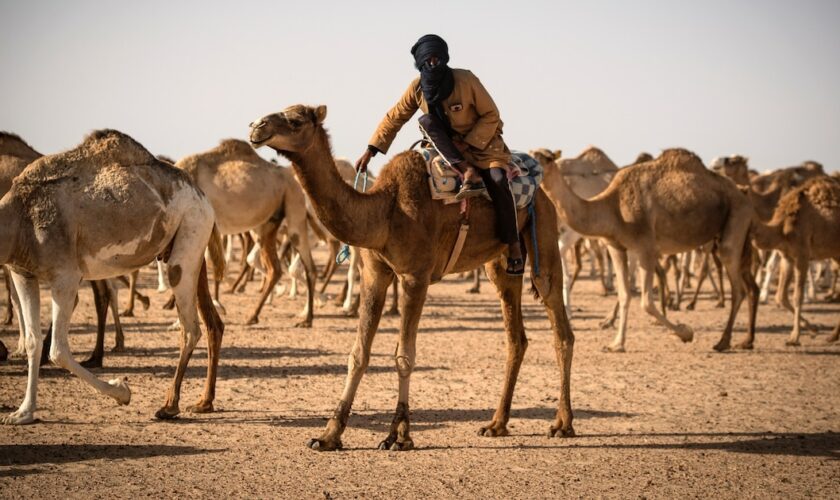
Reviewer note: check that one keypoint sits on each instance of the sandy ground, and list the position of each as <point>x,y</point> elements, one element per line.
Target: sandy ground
<point>664,419</point>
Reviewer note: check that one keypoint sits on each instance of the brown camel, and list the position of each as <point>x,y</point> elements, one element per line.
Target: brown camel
<point>404,233</point>
<point>804,227</point>
<point>52,232</point>
<point>665,206</point>
<point>250,193</point>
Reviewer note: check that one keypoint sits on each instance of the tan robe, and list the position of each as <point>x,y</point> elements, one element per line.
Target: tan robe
<point>471,112</point>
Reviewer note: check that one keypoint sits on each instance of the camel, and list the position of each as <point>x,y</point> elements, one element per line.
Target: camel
<point>587,174</point>
<point>53,231</point>
<point>804,227</point>
<point>15,155</point>
<point>668,205</point>
<point>403,233</point>
<point>250,193</point>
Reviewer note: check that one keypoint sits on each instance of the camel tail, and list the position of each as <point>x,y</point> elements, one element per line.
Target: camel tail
<point>217,254</point>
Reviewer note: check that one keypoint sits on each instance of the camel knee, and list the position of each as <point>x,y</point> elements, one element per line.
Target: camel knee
<point>404,366</point>
<point>357,362</point>
<point>32,340</point>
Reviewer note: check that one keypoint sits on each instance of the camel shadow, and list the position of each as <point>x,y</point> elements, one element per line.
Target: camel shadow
<point>257,353</point>
<point>35,454</point>
<point>423,419</point>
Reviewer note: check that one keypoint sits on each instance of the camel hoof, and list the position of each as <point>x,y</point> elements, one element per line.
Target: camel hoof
<point>350,313</point>
<point>4,353</point>
<point>684,332</point>
<point>792,343</point>
<point>253,320</point>
<point>128,313</point>
<point>144,301</point>
<point>201,407</point>
<point>493,430</point>
<point>560,432</point>
<point>745,345</point>
<point>19,418</point>
<point>305,323</point>
<point>167,413</point>
<point>322,445</point>
<point>121,392</point>
<point>613,348</point>
<point>118,348</point>
<point>220,308</point>
<point>721,346</point>
<point>473,290</point>
<point>392,312</point>
<point>606,324</point>
<point>405,445</point>
<point>689,306</point>
<point>92,362</point>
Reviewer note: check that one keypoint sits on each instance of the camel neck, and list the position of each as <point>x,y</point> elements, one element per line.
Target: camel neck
<point>588,217</point>
<point>764,204</point>
<point>767,235</point>
<point>9,227</point>
<point>355,218</point>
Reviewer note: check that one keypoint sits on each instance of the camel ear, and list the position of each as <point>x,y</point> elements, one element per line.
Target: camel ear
<point>557,154</point>
<point>320,114</point>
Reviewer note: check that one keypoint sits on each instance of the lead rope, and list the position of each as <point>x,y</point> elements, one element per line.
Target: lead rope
<point>533,216</point>
<point>344,253</point>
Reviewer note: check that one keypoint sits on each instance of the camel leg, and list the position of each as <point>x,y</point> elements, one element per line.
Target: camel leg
<point>785,274</point>
<point>101,301</point>
<point>619,258</point>
<point>7,319</point>
<point>305,254</point>
<point>510,293</point>
<point>411,301</point>
<point>113,303</point>
<point>29,295</point>
<point>268,254</point>
<point>183,269</point>
<point>476,286</point>
<point>20,351</point>
<point>609,321</point>
<point>701,277</point>
<point>64,290</point>
<point>648,263</point>
<point>394,309</point>
<point>736,254</point>
<point>351,279</point>
<point>550,287</point>
<point>800,276</point>
<point>234,288</point>
<point>376,278</point>
<point>721,303</point>
<point>215,330</point>
<point>769,269</point>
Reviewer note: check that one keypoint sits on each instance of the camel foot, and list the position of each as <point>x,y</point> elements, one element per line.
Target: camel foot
<point>304,323</point>
<point>613,348</point>
<point>161,289</point>
<point>394,311</point>
<point>350,313</point>
<point>722,346</point>
<point>128,313</point>
<point>395,443</point>
<point>253,320</point>
<point>166,413</point>
<point>118,347</point>
<point>241,289</point>
<point>4,353</point>
<point>606,324</point>
<point>219,307</point>
<point>144,301</point>
<point>690,306</point>
<point>684,332</point>
<point>555,431</point>
<point>121,392</point>
<point>19,418</point>
<point>20,352</point>
<point>324,445</point>
<point>792,343</point>
<point>92,362</point>
<point>473,290</point>
<point>493,429</point>
<point>201,407</point>
<point>720,305</point>
<point>746,345</point>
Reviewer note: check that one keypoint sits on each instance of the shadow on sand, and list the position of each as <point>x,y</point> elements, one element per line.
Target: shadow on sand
<point>34,454</point>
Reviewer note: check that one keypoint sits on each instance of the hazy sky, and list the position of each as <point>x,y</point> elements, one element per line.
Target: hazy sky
<point>760,78</point>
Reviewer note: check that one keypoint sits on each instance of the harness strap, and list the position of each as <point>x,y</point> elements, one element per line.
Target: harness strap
<point>463,230</point>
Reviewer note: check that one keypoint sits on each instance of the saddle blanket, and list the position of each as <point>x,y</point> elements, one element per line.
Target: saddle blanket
<point>524,175</point>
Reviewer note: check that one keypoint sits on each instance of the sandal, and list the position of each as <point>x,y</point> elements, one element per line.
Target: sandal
<point>515,267</point>
<point>469,190</point>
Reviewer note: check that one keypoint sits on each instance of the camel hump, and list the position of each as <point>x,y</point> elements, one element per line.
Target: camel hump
<point>679,157</point>
<point>235,148</point>
<point>12,145</point>
<point>821,193</point>
<point>116,146</point>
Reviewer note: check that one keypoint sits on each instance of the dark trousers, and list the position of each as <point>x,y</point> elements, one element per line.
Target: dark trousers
<point>495,179</point>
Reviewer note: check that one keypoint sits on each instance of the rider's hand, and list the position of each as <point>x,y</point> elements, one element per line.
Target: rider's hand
<point>362,162</point>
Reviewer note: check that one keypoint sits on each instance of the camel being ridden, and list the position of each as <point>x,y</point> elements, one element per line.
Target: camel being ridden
<point>405,234</point>
<point>52,233</point>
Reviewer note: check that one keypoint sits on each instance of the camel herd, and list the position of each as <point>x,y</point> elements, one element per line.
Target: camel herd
<point>666,215</point>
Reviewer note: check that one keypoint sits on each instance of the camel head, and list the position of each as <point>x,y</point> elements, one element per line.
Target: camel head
<point>289,131</point>
<point>734,167</point>
<point>545,156</point>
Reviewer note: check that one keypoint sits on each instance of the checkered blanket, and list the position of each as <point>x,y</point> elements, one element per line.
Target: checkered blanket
<point>524,174</point>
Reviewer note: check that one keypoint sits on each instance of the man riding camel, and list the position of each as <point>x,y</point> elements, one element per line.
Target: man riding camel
<point>462,122</point>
